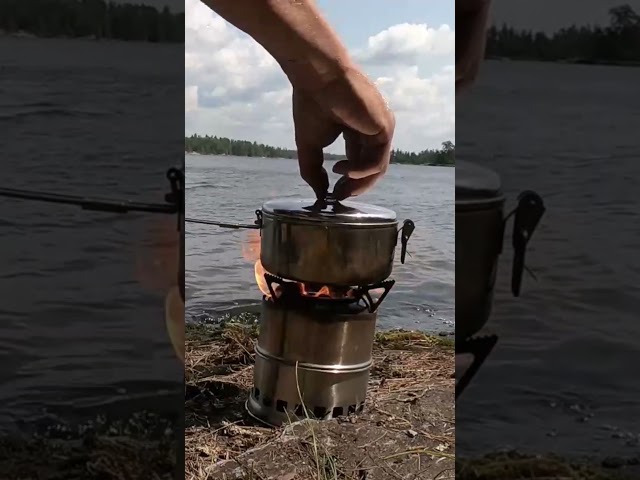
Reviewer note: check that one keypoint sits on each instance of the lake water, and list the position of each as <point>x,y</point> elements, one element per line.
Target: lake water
<point>78,332</point>
<point>564,374</point>
<point>219,279</point>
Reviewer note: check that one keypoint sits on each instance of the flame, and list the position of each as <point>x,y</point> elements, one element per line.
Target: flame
<point>260,280</point>
<point>251,246</point>
<point>324,291</point>
<point>157,258</point>
<point>156,269</point>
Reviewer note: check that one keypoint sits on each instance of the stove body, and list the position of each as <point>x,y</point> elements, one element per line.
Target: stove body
<point>313,355</point>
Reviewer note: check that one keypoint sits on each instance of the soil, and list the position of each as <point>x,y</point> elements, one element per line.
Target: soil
<point>406,431</point>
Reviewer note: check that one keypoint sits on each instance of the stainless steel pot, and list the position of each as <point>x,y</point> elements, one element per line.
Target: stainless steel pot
<point>330,242</point>
<point>480,226</point>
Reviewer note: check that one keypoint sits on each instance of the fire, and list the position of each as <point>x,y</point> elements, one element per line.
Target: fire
<point>157,258</point>
<point>325,291</point>
<point>157,268</point>
<point>251,246</point>
<point>260,280</point>
<point>305,290</point>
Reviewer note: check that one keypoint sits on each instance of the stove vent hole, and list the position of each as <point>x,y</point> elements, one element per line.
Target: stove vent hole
<point>256,393</point>
<point>351,409</point>
<point>299,411</point>
<point>337,412</point>
<point>361,407</point>
<point>319,412</point>
<point>281,406</point>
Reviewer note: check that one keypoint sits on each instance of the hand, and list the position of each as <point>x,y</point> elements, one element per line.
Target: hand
<point>472,18</point>
<point>350,105</point>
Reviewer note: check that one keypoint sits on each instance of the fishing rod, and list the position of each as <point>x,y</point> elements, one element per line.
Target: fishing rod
<point>173,204</point>
<point>233,226</point>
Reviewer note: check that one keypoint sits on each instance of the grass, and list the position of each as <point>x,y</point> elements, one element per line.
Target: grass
<point>519,466</point>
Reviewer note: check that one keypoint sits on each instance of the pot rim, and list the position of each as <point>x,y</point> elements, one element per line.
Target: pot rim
<point>475,204</point>
<point>331,213</point>
<point>292,219</point>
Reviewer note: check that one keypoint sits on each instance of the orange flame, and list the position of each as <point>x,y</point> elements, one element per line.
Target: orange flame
<point>251,246</point>
<point>260,280</point>
<point>157,260</point>
<point>157,265</point>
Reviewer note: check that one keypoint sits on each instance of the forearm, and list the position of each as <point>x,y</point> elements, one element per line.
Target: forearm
<point>472,17</point>
<point>294,33</point>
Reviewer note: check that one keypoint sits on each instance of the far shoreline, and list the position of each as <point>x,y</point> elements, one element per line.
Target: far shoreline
<point>196,154</point>
<point>568,61</point>
<point>24,35</point>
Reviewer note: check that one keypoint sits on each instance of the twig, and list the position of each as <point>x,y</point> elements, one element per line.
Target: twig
<point>423,451</point>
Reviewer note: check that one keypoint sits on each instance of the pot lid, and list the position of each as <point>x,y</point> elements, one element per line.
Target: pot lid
<point>476,183</point>
<point>330,211</point>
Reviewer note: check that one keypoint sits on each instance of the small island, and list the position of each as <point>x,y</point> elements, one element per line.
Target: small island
<point>616,44</point>
<point>91,19</point>
<point>212,145</point>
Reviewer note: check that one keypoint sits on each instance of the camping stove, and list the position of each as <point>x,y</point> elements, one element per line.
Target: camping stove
<point>314,350</point>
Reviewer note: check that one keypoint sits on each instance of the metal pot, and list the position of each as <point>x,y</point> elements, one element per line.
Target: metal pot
<point>330,242</point>
<point>480,226</point>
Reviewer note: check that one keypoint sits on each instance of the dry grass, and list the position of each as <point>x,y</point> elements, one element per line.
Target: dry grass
<point>407,430</point>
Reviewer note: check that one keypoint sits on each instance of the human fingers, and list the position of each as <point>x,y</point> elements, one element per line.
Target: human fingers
<point>350,187</point>
<point>366,155</point>
<point>310,160</point>
<point>372,160</point>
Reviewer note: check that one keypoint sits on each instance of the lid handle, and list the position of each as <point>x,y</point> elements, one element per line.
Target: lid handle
<point>527,216</point>
<point>405,233</point>
<point>329,199</point>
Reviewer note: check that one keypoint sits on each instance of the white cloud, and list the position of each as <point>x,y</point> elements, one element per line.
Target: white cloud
<point>408,42</point>
<point>234,88</point>
<point>190,98</point>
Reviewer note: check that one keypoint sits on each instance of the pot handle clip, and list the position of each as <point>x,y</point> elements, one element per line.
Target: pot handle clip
<point>405,233</point>
<point>527,216</point>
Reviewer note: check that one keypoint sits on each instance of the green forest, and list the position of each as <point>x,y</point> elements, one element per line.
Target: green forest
<point>617,43</point>
<point>208,145</point>
<point>91,19</point>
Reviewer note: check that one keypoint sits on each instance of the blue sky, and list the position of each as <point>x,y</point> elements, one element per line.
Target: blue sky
<point>233,88</point>
<point>356,19</point>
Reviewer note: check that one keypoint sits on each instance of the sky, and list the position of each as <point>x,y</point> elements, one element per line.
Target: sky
<point>234,89</point>
<point>544,15</point>
<point>551,15</point>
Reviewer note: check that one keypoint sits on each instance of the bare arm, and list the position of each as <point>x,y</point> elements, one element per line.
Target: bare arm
<point>472,17</point>
<point>294,33</point>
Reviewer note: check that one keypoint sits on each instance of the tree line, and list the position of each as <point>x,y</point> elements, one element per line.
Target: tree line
<point>619,42</point>
<point>92,19</point>
<point>213,145</point>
